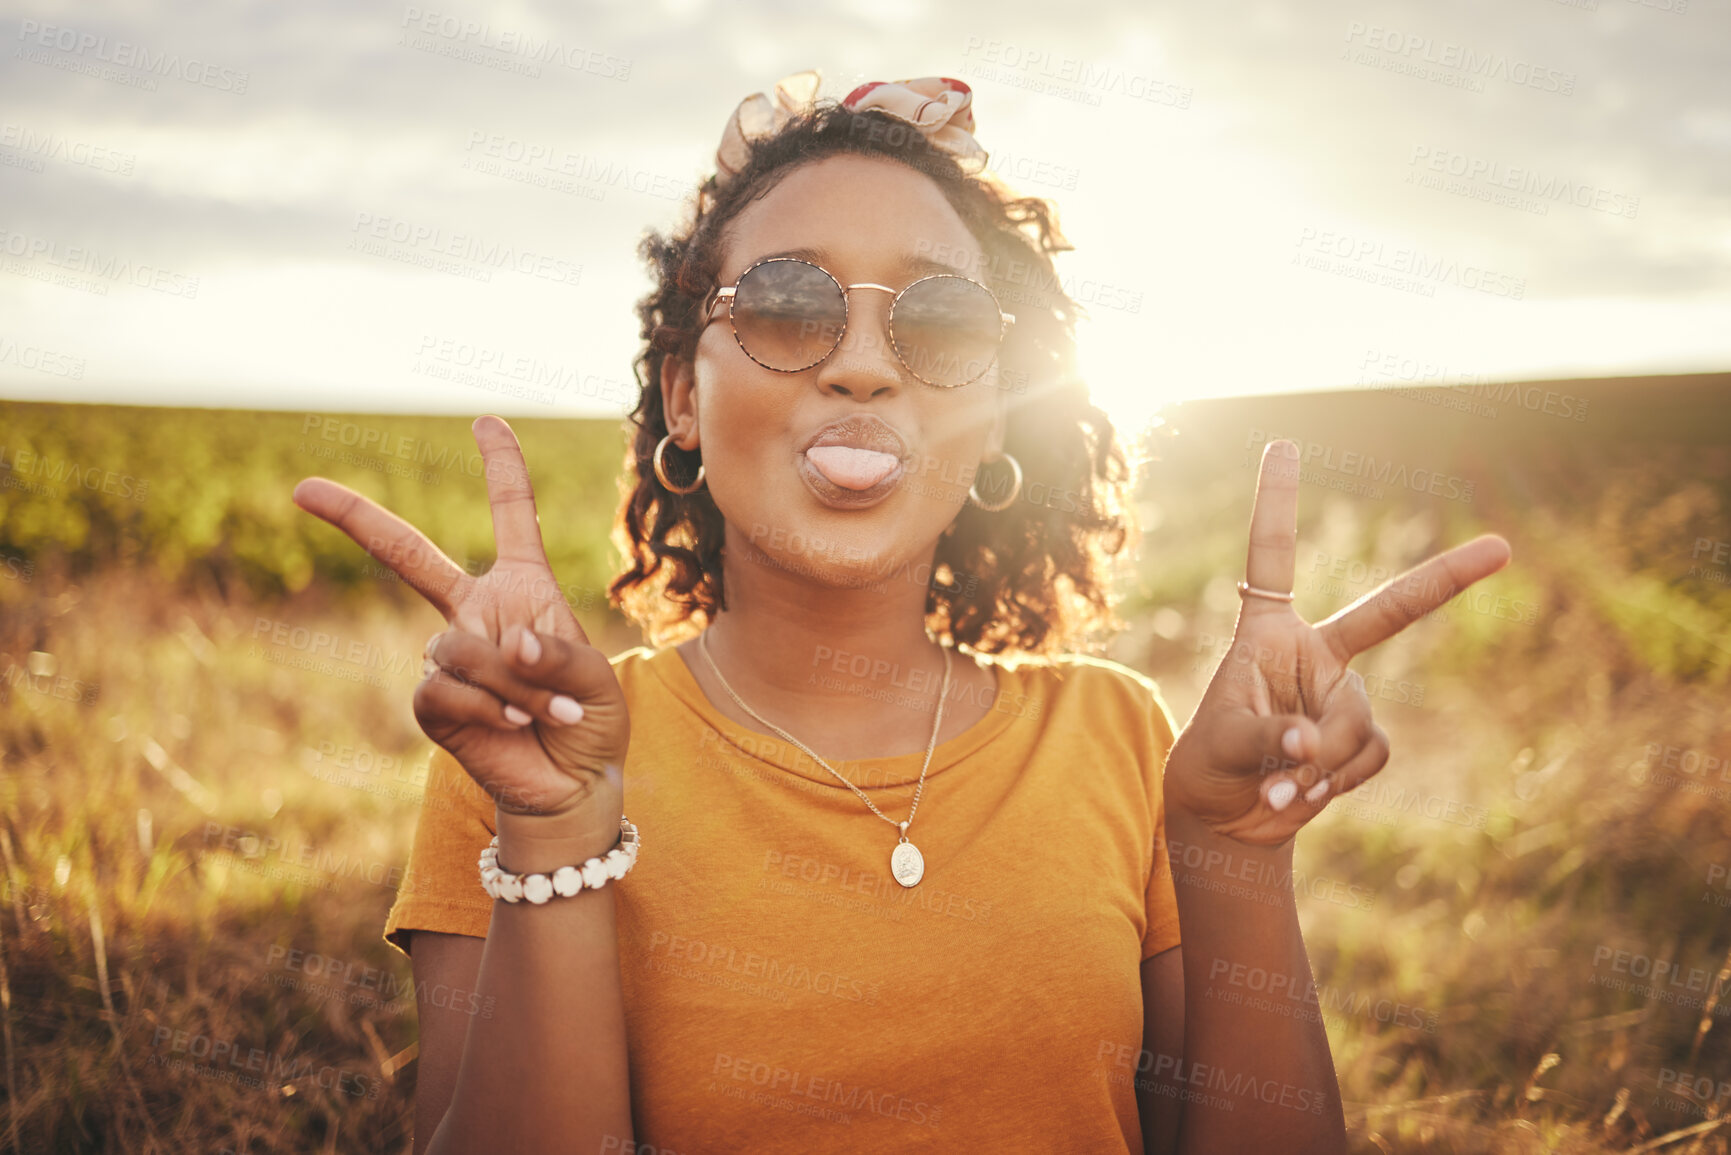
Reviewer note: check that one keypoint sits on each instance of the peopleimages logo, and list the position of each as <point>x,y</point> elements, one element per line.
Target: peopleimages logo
<point>92,263</point>
<point>1038,70</point>
<point>1665,979</point>
<point>1353,463</point>
<point>479,34</point>
<point>26,463</point>
<point>583,168</point>
<point>233,1061</point>
<point>419,243</point>
<point>1372,256</point>
<point>58,147</point>
<point>1470,63</point>
<point>1516,178</point>
<point>124,54</point>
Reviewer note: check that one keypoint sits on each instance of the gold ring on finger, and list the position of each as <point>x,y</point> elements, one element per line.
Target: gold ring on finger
<point>1246,590</point>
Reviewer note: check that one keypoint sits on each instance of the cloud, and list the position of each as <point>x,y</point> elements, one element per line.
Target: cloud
<point>1575,146</point>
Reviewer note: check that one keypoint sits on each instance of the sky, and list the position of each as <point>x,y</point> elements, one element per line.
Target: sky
<point>281,206</point>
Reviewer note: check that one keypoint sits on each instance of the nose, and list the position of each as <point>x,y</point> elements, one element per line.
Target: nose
<point>864,365</point>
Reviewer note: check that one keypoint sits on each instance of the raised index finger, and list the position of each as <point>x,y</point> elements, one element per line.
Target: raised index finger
<point>516,529</point>
<point>1274,523</point>
<point>1401,601</point>
<point>389,538</point>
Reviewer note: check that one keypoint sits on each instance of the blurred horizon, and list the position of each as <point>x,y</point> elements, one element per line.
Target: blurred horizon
<point>193,671</point>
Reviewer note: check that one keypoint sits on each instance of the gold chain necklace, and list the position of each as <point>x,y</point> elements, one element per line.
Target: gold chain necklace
<point>907,865</point>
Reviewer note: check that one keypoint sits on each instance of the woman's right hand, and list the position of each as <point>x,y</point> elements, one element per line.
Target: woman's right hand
<point>512,663</point>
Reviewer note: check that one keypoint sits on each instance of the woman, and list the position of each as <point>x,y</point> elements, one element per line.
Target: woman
<point>908,881</point>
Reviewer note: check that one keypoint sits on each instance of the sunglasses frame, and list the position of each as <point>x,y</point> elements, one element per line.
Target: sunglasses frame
<point>728,294</point>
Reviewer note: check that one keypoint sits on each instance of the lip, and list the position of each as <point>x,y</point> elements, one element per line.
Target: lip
<point>857,432</point>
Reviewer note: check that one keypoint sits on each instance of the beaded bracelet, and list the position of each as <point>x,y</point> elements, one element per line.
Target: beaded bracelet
<point>565,881</point>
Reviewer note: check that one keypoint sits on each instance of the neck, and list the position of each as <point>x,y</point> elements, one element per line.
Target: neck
<point>848,671</point>
<point>786,641</point>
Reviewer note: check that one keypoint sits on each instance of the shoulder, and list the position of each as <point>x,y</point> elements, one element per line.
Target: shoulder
<point>639,663</point>
<point>1104,691</point>
<point>654,677</point>
<point>1085,669</point>
<point>631,660</point>
<point>1085,674</point>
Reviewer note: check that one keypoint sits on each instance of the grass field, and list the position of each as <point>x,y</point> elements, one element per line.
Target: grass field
<point>1521,929</point>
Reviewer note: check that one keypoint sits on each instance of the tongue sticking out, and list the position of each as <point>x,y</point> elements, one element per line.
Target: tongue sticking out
<point>851,468</point>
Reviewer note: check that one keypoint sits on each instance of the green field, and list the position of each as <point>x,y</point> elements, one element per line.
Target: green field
<point>1521,928</point>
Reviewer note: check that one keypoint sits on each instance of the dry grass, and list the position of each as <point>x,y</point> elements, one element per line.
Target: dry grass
<point>142,732</point>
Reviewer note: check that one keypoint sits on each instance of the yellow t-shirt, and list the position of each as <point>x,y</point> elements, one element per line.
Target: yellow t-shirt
<point>783,993</point>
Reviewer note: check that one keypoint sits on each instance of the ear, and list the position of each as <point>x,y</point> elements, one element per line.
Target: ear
<point>679,401</point>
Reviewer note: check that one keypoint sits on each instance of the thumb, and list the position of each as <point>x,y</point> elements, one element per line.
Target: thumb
<point>558,664</point>
<point>1267,744</point>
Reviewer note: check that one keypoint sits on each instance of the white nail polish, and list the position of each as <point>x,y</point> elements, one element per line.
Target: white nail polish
<point>1281,794</point>
<point>1317,792</point>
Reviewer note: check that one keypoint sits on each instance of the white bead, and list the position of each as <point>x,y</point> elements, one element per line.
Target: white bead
<point>594,873</point>
<point>566,881</point>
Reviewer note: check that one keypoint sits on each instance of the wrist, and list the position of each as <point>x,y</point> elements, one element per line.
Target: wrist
<point>542,843</point>
<point>1205,862</point>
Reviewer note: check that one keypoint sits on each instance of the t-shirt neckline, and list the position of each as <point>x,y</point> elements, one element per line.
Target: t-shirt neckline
<point>898,770</point>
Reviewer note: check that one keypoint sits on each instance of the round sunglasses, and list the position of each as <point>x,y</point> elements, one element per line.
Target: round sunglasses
<point>788,315</point>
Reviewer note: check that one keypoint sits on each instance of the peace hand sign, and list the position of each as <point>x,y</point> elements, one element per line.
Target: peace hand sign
<point>1284,725</point>
<point>532,710</point>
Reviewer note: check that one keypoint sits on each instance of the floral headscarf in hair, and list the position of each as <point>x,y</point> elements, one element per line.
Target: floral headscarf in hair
<point>939,106</point>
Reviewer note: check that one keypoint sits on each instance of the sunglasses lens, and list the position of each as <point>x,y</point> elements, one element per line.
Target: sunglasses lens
<point>947,330</point>
<point>788,314</point>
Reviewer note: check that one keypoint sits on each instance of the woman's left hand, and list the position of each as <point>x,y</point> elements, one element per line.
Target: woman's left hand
<point>1284,725</point>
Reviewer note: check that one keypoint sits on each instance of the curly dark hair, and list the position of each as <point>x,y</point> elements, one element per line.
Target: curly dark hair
<point>1033,578</point>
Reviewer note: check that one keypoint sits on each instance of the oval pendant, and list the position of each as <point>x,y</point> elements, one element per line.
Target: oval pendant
<point>907,864</point>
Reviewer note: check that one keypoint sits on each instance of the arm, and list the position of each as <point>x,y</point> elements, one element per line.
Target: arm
<point>1209,1047</point>
<point>441,962</point>
<point>1283,727</point>
<point>532,711</point>
<point>1162,1034</point>
<point>543,1061</point>
<point>1263,1079</point>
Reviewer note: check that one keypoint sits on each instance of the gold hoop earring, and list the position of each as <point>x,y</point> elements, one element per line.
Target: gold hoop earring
<point>661,470</point>
<point>1016,488</point>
